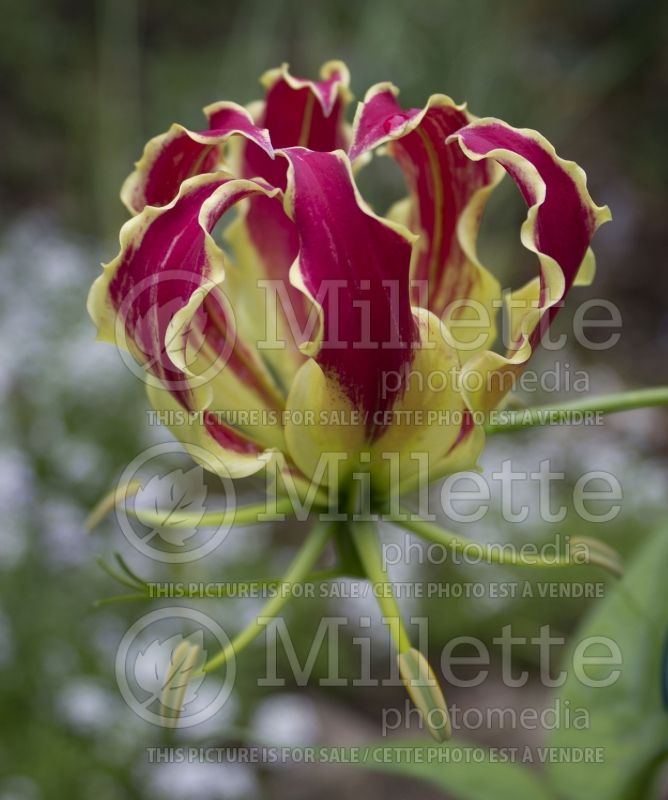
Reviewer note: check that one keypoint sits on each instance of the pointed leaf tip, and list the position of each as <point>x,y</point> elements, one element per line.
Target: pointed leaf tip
<point>424,690</point>
<point>599,554</point>
<point>181,679</point>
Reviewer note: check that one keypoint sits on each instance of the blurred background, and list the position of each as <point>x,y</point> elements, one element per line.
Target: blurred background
<point>83,85</point>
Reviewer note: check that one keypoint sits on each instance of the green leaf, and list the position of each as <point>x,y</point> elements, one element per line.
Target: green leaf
<point>465,771</point>
<point>626,719</point>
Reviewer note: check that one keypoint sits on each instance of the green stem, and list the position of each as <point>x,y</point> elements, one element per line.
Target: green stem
<point>132,575</point>
<point>120,598</point>
<point>367,542</point>
<point>298,571</point>
<point>246,515</point>
<point>556,414</point>
<point>499,555</point>
<point>131,584</point>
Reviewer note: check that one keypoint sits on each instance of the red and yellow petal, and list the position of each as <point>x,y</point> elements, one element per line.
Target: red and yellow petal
<point>160,299</point>
<point>448,193</point>
<point>369,390</point>
<point>426,429</point>
<point>354,267</point>
<point>306,113</point>
<point>218,447</point>
<point>179,154</point>
<point>295,112</point>
<point>560,224</point>
<point>324,430</point>
<point>425,423</point>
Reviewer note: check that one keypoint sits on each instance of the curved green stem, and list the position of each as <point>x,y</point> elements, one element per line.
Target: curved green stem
<point>156,518</point>
<point>367,542</point>
<point>117,576</point>
<point>506,421</point>
<point>596,553</point>
<point>416,674</point>
<point>298,571</point>
<point>246,515</point>
<point>131,574</point>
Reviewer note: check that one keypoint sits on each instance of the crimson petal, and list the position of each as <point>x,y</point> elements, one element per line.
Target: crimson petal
<point>355,267</point>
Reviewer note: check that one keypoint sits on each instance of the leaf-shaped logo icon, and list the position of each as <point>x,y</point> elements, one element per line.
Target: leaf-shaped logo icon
<point>179,500</point>
<point>168,670</point>
<point>162,676</point>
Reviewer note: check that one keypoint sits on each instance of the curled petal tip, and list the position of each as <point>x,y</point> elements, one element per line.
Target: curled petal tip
<point>333,86</point>
<point>561,221</point>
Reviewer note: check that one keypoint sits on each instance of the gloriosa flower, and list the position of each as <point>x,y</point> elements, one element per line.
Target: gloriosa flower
<point>311,341</point>
<point>326,307</point>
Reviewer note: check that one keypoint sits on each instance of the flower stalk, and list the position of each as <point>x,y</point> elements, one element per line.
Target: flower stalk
<point>562,413</point>
<point>367,543</point>
<point>306,558</point>
<point>584,550</point>
<point>416,674</point>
